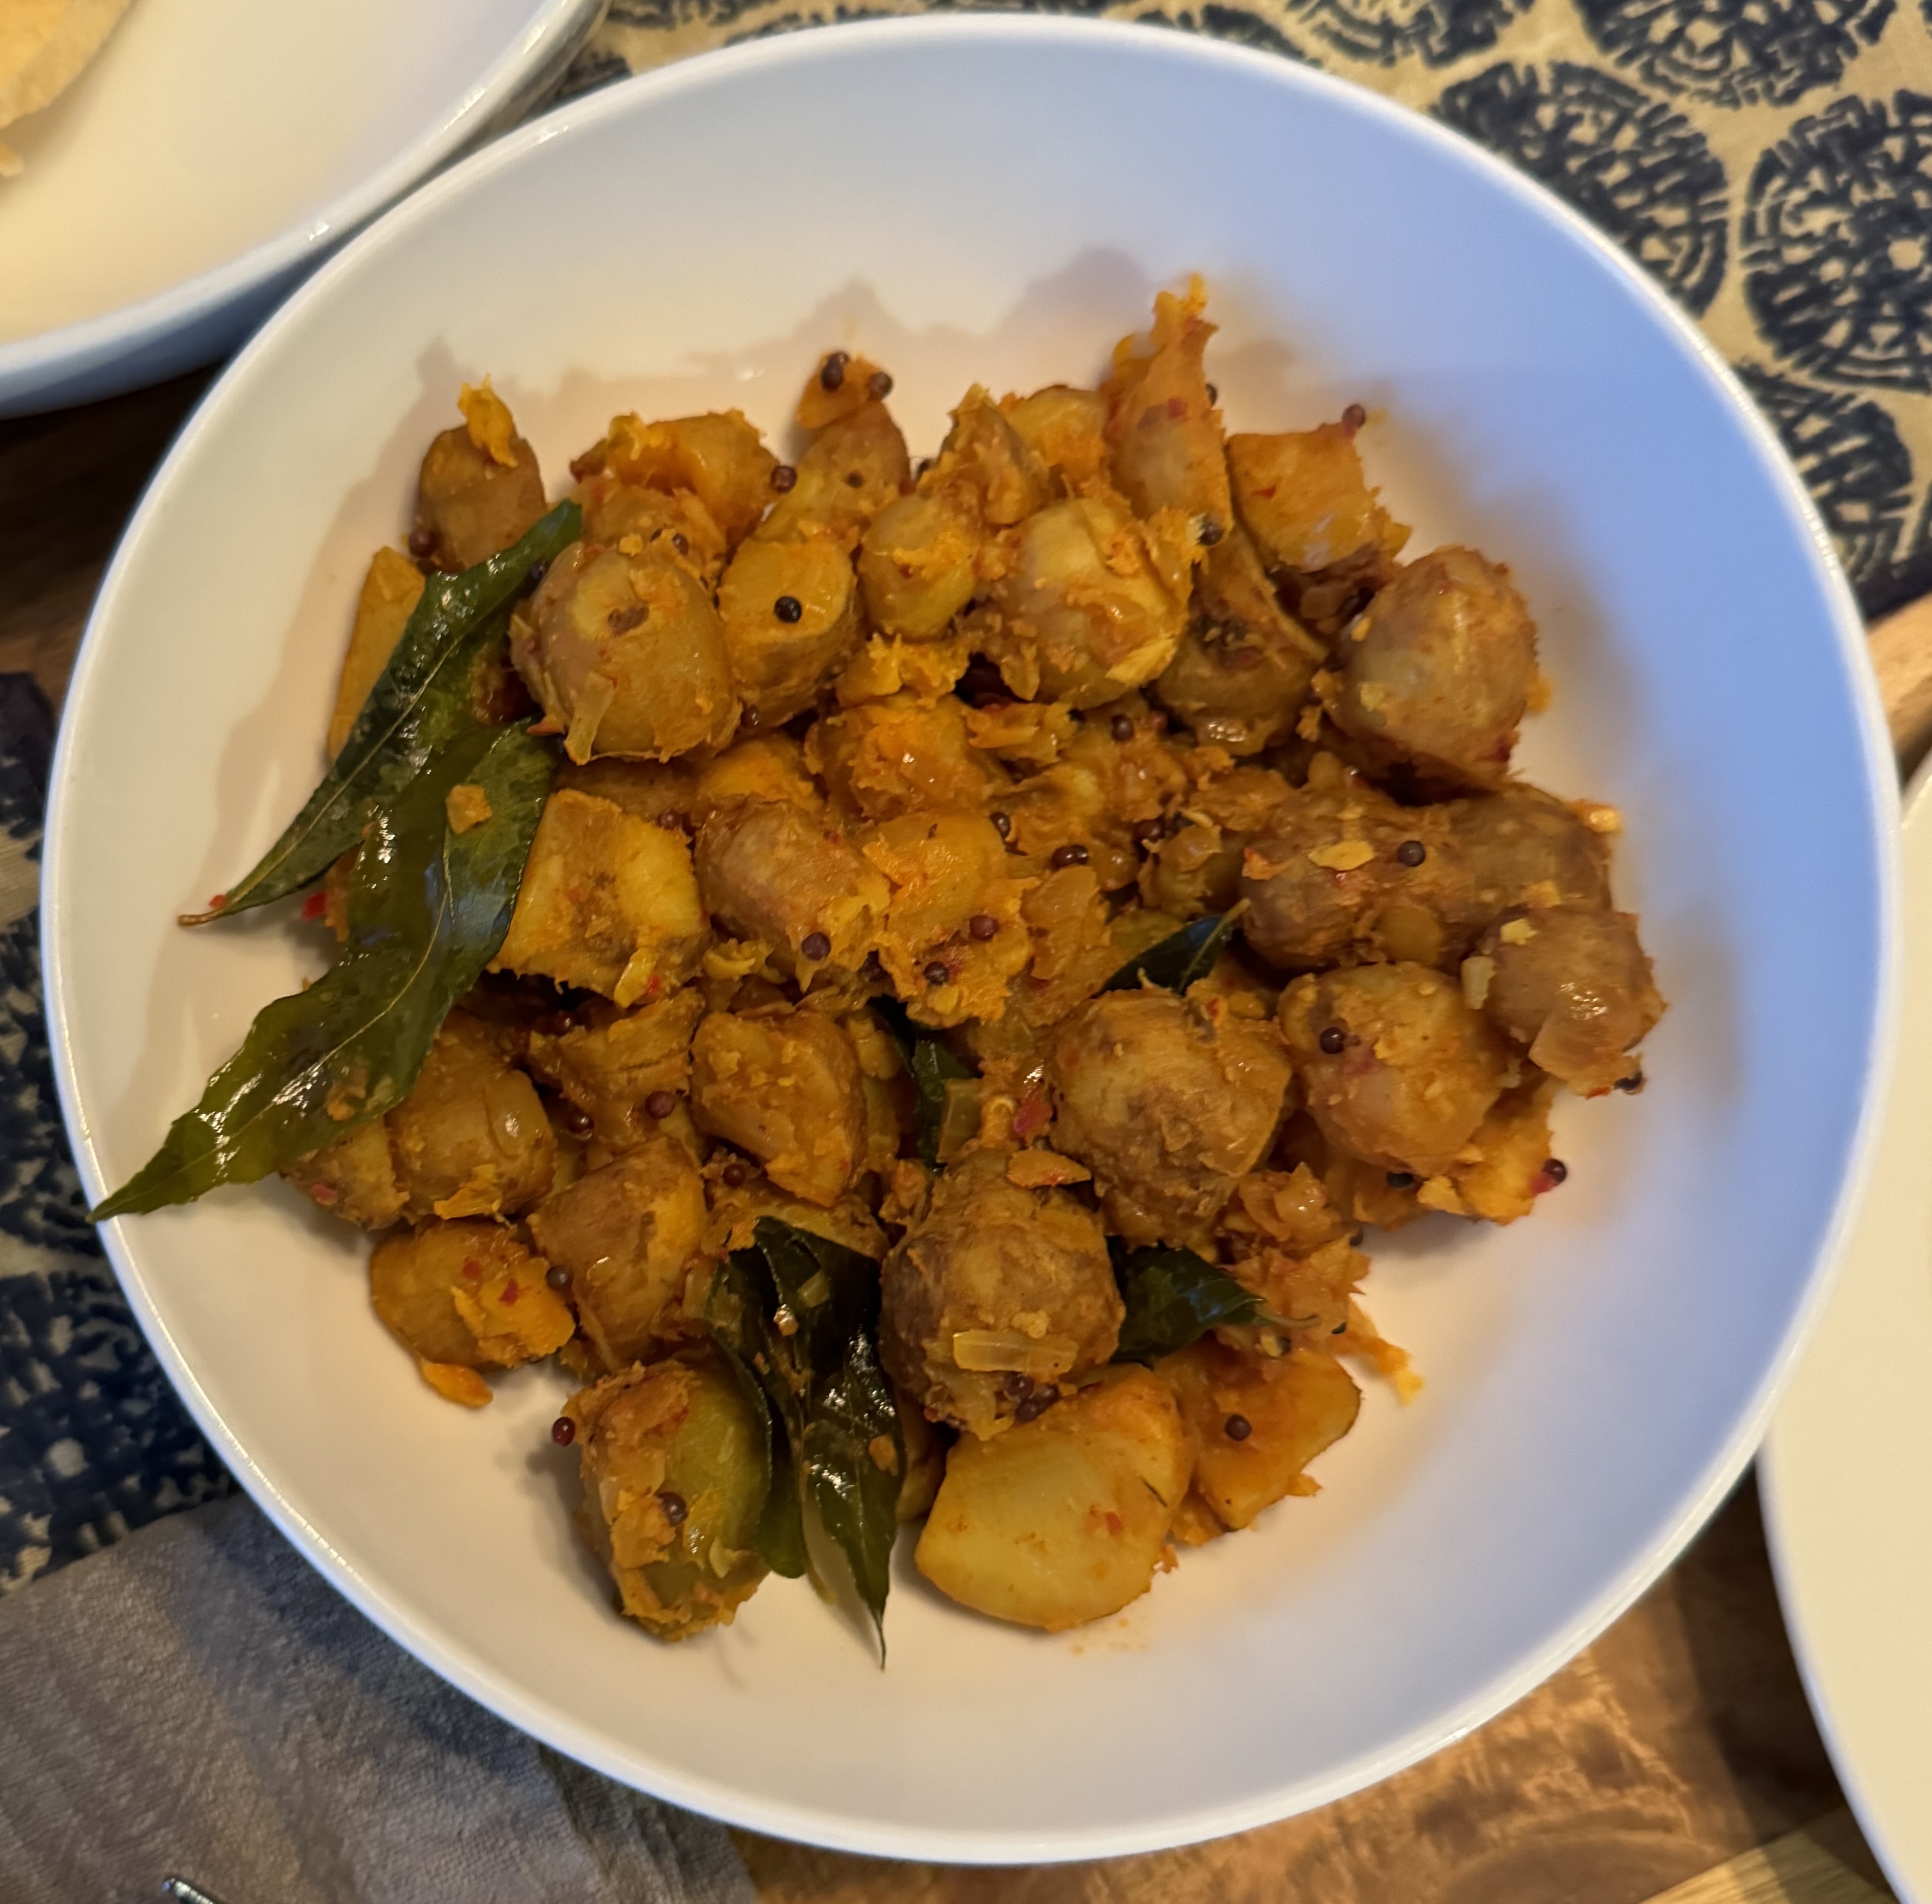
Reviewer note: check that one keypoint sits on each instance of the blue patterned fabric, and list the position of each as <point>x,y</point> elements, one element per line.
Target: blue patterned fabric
<point>1769,161</point>
<point>92,1441</point>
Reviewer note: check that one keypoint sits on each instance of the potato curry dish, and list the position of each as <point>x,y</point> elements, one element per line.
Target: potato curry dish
<point>915,982</point>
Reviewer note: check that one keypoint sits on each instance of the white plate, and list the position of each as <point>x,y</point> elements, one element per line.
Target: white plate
<point>217,149</point>
<point>998,198</point>
<point>1846,1472</point>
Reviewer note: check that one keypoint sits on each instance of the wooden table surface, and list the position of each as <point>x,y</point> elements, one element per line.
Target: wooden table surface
<point>1675,1759</point>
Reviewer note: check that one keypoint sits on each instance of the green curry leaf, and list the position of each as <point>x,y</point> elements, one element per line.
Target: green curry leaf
<point>1173,1298</point>
<point>1178,960</point>
<point>428,908</point>
<point>933,1066</point>
<point>420,703</point>
<point>798,1315</point>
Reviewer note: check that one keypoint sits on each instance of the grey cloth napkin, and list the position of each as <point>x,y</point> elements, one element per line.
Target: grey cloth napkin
<point>195,1700</point>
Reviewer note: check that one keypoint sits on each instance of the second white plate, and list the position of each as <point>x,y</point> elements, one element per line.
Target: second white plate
<point>1847,1471</point>
<point>217,148</point>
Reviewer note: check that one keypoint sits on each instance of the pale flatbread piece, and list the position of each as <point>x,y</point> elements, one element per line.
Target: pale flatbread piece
<point>44,44</point>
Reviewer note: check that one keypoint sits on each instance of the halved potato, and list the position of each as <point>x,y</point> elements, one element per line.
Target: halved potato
<point>1063,1519</point>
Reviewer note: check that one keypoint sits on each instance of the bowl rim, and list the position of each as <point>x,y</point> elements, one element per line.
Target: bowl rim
<point>92,347</point>
<point>418,1634</point>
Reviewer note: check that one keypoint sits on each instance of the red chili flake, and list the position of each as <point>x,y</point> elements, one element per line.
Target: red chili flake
<point>1033,1115</point>
<point>473,1270</point>
<point>217,901</point>
<point>1115,1525</point>
<point>315,905</point>
<point>324,1194</point>
<point>654,987</point>
<point>511,1292</point>
<point>1176,407</point>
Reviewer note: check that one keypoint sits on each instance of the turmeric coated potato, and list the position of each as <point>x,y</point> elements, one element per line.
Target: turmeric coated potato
<point>1062,1519</point>
<point>1522,847</point>
<point>623,1069</point>
<point>669,525</point>
<point>790,879</point>
<point>1339,872</point>
<point>672,1464</point>
<point>390,592</point>
<point>1067,428</point>
<point>1114,781</point>
<point>952,939</point>
<point>1167,1101</point>
<point>1092,604</point>
<point>608,902</point>
<point>1572,986</point>
<point>1162,422</point>
<point>919,563</point>
<point>354,1177</point>
<point>1437,670</point>
<point>985,459</point>
<point>997,1295</point>
<point>785,1088</point>
<point>627,1233</point>
<point>899,755</point>
<point>717,458</point>
<point>1241,674</point>
<point>1396,1068</point>
<point>1304,498</point>
<point>791,615</point>
<point>471,1139</point>
<point>462,1296</point>
<point>626,655</point>
<point>479,488</point>
<point>1291,1407</point>
<point>852,469</point>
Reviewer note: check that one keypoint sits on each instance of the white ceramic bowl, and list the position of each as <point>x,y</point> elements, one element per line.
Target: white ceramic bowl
<point>998,199</point>
<point>217,149</point>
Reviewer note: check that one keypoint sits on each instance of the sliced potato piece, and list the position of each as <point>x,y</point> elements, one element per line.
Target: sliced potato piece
<point>1257,1421</point>
<point>1063,1519</point>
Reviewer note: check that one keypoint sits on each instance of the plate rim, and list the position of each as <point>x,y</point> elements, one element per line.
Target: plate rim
<point>1706,1491</point>
<point>90,347</point>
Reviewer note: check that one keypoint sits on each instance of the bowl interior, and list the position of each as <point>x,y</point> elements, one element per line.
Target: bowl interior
<point>997,200</point>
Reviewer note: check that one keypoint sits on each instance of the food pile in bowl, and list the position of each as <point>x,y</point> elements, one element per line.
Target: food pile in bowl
<point>912,984</point>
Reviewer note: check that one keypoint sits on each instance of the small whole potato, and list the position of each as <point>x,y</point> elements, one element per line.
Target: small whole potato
<point>1241,674</point>
<point>1337,872</point>
<point>786,1088</point>
<point>673,1463</point>
<point>471,1139</point>
<point>1092,605</point>
<point>997,1294</point>
<point>626,1233</point>
<point>771,871</point>
<point>466,1296</point>
<point>1167,1101</point>
<point>1438,670</point>
<point>1572,986</point>
<point>919,563</point>
<point>627,654</point>
<point>718,458</point>
<point>854,467</point>
<point>1396,1068</point>
<point>791,615</point>
<point>1067,428</point>
<point>479,488</point>
<point>1062,1519</point>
